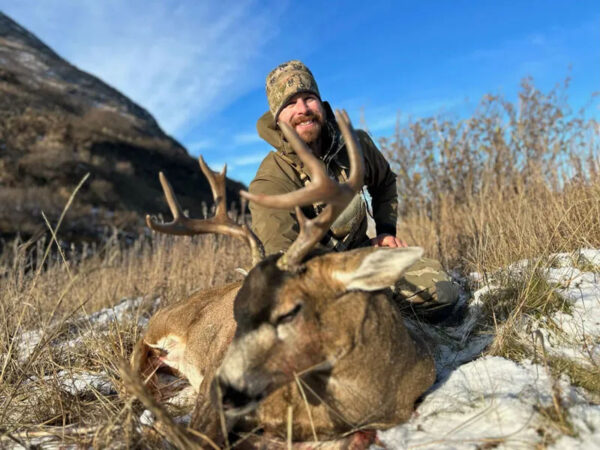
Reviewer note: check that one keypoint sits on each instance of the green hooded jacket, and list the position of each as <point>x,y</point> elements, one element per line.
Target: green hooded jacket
<point>282,171</point>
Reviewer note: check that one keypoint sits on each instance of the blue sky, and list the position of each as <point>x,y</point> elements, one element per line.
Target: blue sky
<point>199,66</point>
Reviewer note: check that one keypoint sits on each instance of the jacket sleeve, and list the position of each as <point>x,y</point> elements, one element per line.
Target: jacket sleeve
<point>381,184</point>
<point>276,229</point>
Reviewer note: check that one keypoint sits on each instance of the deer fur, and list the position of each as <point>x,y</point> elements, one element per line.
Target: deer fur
<point>328,342</point>
<point>188,337</point>
<point>344,361</point>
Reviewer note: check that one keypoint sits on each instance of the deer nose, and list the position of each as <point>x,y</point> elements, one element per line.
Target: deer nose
<point>236,400</point>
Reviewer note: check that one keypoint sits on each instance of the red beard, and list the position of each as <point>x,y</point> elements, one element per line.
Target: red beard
<point>313,132</point>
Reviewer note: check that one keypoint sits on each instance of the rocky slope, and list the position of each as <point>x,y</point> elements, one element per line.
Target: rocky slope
<point>58,123</point>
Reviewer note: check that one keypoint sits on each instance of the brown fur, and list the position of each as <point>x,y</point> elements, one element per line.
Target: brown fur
<point>375,369</point>
<point>345,362</point>
<point>205,326</point>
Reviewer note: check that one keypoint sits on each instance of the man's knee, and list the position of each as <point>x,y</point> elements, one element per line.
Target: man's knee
<point>426,282</point>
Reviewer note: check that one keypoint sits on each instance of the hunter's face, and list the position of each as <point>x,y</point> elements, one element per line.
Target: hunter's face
<point>305,114</point>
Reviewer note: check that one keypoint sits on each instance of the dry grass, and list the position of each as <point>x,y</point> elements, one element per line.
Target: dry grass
<point>527,294</point>
<point>585,377</point>
<point>509,183</point>
<point>55,296</point>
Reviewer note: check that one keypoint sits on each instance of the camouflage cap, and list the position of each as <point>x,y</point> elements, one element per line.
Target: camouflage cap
<point>287,80</point>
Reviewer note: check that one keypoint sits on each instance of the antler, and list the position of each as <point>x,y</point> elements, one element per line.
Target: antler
<point>220,223</point>
<point>321,189</point>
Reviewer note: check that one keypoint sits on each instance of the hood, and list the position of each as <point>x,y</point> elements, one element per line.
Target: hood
<point>270,132</point>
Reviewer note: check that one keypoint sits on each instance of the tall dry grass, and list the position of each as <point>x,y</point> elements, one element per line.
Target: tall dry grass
<point>512,181</point>
<point>45,304</point>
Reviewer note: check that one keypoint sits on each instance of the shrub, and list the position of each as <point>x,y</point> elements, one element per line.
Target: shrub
<point>513,181</point>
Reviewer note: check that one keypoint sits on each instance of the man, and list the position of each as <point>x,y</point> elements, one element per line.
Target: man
<point>294,98</point>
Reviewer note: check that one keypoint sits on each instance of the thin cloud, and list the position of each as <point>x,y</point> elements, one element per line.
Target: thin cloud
<point>250,159</point>
<point>537,54</point>
<point>385,118</point>
<point>253,159</point>
<point>181,63</point>
<point>204,144</point>
<point>247,138</point>
<point>386,122</point>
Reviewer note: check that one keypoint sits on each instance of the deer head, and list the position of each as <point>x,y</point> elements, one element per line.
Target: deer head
<point>294,324</point>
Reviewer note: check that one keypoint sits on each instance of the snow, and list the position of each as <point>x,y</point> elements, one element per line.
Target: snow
<point>579,330</point>
<point>492,401</point>
<point>79,383</point>
<point>82,327</point>
<point>586,420</point>
<point>147,418</point>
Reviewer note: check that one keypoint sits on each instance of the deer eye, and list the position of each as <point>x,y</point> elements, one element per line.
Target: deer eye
<point>288,316</point>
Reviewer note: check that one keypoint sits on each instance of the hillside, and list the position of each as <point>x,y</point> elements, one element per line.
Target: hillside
<point>58,123</point>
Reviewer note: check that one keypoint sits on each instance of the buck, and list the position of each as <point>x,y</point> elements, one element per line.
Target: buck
<point>308,338</point>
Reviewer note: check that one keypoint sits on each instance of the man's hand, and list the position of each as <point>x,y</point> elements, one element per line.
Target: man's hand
<point>387,240</point>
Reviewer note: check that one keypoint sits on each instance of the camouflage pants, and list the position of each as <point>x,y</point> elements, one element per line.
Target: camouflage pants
<point>427,290</point>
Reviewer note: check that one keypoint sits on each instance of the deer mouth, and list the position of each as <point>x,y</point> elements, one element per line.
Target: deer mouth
<point>239,403</point>
<point>238,399</point>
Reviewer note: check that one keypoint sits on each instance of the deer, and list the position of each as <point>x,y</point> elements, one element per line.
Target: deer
<point>310,345</point>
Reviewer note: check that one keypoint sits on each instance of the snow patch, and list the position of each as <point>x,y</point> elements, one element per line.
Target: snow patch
<point>81,327</point>
<point>79,383</point>
<point>492,401</point>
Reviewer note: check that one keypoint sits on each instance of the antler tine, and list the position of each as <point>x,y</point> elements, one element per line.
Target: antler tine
<point>243,206</point>
<point>357,167</point>
<point>312,231</point>
<point>217,186</point>
<point>322,188</point>
<point>219,224</point>
<point>173,227</point>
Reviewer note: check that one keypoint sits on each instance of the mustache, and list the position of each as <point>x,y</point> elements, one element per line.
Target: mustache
<point>309,116</point>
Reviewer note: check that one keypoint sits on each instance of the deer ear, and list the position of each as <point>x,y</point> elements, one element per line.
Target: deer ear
<point>373,269</point>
